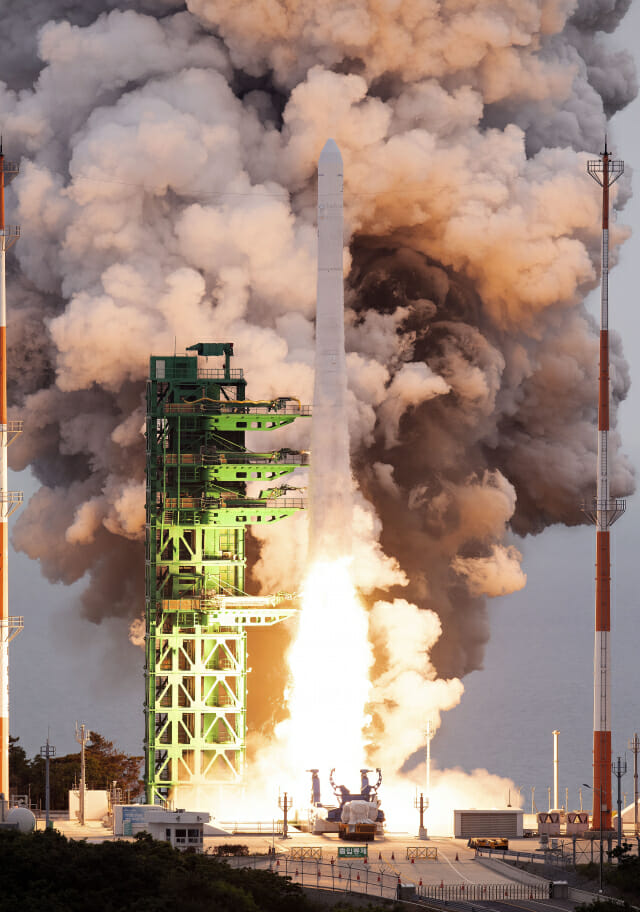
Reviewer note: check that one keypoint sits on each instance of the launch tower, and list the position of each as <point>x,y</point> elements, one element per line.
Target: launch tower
<point>197,611</point>
<point>603,512</point>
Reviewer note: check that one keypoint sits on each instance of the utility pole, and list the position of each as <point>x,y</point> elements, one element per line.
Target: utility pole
<point>555,771</point>
<point>421,804</point>
<point>619,769</point>
<point>634,745</point>
<point>9,500</point>
<point>83,736</point>
<point>47,752</point>
<point>285,803</point>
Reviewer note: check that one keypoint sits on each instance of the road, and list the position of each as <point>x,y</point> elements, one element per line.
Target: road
<point>455,875</point>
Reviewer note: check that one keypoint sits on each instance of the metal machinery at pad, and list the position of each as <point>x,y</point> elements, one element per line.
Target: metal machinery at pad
<point>197,611</point>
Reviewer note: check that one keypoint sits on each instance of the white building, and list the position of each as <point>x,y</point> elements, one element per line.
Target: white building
<point>96,804</point>
<point>505,822</point>
<point>183,829</point>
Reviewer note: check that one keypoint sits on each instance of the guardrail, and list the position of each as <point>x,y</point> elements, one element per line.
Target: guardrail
<point>248,828</point>
<point>208,373</point>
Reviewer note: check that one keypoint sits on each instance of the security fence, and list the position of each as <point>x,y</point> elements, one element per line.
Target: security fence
<point>483,892</point>
<point>373,878</point>
<point>560,852</point>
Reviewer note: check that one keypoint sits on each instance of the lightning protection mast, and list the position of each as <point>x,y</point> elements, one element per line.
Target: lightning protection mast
<point>9,500</point>
<point>604,512</point>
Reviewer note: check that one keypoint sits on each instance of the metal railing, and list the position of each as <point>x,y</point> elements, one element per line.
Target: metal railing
<point>257,503</point>
<point>219,373</point>
<point>245,828</point>
<point>483,892</point>
<point>608,510</point>
<point>235,458</point>
<point>10,627</point>
<point>11,497</point>
<point>566,853</point>
<point>235,408</point>
<point>374,879</point>
<point>184,371</point>
<point>9,502</point>
<point>235,503</point>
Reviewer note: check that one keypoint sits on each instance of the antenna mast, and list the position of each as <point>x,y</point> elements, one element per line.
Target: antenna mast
<point>9,500</point>
<point>603,512</point>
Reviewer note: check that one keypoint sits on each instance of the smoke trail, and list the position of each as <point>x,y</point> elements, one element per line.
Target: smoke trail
<point>166,195</point>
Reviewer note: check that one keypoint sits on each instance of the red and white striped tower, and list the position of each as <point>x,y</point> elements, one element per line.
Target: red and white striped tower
<point>604,513</point>
<point>9,500</point>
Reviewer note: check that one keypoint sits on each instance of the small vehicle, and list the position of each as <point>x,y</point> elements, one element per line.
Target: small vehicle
<point>497,843</point>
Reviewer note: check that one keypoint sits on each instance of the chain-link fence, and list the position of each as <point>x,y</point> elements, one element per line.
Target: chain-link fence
<point>561,853</point>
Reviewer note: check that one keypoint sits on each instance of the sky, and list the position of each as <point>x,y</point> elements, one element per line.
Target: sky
<point>538,666</point>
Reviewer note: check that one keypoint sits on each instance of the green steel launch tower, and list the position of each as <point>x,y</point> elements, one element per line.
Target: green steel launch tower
<point>197,611</point>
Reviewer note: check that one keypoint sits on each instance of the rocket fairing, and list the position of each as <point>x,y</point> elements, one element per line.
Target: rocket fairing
<point>330,476</point>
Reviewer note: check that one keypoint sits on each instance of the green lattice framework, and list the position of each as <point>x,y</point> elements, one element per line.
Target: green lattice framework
<point>197,612</point>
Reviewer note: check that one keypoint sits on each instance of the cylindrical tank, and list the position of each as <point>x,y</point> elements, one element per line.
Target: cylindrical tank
<point>23,817</point>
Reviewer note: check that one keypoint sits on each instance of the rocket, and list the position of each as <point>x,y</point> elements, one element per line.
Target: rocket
<point>330,475</point>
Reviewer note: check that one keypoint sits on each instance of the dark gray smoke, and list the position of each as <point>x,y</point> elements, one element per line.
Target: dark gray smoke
<point>166,196</point>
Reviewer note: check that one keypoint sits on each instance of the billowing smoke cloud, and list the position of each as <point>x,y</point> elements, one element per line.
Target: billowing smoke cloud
<point>167,196</point>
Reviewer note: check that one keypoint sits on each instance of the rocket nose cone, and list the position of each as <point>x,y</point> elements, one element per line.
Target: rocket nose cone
<point>330,154</point>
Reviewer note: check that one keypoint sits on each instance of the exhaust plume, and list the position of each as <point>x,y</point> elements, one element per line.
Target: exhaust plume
<point>167,194</point>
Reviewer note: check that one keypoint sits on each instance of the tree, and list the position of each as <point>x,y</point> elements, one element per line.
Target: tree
<point>19,769</point>
<point>104,766</point>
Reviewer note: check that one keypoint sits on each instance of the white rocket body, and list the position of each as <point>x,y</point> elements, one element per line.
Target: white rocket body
<point>330,476</point>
